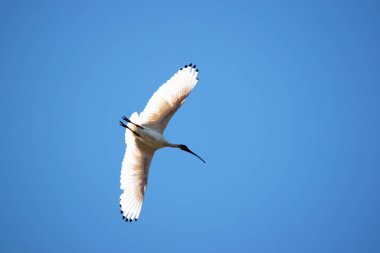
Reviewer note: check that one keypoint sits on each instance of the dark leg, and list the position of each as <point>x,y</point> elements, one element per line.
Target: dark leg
<point>126,119</point>
<point>124,125</point>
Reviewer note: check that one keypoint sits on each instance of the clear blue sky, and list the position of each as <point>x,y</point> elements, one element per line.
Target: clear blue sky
<point>286,113</point>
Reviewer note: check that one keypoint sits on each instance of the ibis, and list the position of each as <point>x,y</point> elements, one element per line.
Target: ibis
<point>144,135</point>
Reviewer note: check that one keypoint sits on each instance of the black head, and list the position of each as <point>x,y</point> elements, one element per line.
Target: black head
<point>185,148</point>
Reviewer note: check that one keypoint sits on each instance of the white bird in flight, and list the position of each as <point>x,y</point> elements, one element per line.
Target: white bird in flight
<point>144,135</point>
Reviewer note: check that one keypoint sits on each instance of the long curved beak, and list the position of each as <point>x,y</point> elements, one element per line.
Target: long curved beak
<point>191,152</point>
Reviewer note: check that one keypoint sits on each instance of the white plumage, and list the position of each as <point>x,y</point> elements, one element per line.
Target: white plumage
<point>144,135</point>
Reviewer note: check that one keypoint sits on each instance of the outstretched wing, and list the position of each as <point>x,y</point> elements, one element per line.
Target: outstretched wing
<point>134,175</point>
<point>169,98</point>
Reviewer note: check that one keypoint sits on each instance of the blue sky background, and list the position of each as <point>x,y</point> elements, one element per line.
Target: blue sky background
<point>286,114</point>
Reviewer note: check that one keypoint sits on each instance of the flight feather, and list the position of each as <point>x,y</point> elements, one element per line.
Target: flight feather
<point>168,99</point>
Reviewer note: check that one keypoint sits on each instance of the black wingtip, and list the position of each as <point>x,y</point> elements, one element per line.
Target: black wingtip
<point>190,64</point>
<point>127,219</point>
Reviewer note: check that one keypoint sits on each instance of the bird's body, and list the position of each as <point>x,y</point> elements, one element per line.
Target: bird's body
<point>144,135</point>
<point>151,138</point>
